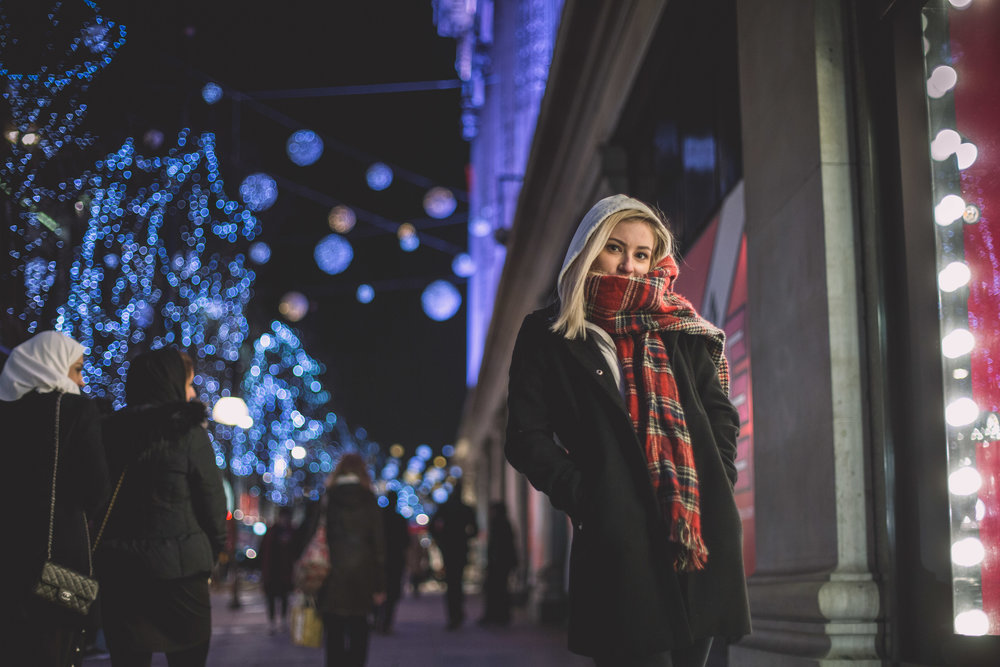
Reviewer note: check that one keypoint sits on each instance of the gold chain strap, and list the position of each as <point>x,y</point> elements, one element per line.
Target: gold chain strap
<point>107,514</point>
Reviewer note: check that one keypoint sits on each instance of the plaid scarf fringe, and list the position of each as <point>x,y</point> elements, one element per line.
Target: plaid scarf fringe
<point>636,311</point>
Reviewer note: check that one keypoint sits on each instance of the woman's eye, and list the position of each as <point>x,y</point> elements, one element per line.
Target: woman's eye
<point>642,256</point>
<point>612,247</point>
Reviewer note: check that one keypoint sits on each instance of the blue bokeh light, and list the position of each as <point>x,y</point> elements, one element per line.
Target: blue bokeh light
<point>95,37</point>
<point>379,176</point>
<point>439,202</point>
<point>333,254</point>
<point>304,147</point>
<point>409,243</point>
<point>480,227</point>
<point>259,192</point>
<point>365,293</point>
<point>211,93</point>
<point>463,265</point>
<point>424,452</point>
<point>440,300</point>
<point>260,252</point>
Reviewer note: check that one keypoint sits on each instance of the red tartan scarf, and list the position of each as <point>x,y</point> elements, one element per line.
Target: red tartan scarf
<point>636,311</point>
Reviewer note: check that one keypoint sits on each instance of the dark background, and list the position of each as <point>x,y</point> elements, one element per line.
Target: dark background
<point>390,368</point>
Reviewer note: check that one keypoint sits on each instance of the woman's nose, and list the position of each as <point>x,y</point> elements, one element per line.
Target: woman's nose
<point>626,266</point>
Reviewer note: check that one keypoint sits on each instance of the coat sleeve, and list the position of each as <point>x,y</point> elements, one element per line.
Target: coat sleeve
<point>722,415</point>
<point>530,446</point>
<point>207,494</point>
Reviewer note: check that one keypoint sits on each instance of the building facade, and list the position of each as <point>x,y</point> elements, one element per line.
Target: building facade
<point>829,168</point>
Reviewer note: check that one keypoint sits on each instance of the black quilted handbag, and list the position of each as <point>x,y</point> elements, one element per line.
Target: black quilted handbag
<point>59,584</point>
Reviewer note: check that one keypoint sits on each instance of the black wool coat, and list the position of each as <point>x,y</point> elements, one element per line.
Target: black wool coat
<point>356,540</point>
<point>569,432</point>
<point>169,520</point>
<point>28,428</point>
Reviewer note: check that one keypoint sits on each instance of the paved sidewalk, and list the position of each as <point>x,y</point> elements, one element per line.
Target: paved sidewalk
<point>241,638</point>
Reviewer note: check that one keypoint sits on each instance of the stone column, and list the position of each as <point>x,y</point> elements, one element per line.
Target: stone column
<point>812,596</point>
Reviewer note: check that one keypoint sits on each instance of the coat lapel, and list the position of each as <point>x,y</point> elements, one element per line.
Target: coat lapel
<point>585,353</point>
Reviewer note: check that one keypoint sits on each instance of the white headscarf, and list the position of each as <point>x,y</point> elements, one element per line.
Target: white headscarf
<point>40,364</point>
<point>595,216</point>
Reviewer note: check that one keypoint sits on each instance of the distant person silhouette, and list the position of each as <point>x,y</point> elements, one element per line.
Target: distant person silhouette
<point>277,555</point>
<point>397,539</point>
<point>501,559</point>
<point>453,525</point>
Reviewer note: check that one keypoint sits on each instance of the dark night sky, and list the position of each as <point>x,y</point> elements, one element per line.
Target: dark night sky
<point>389,367</point>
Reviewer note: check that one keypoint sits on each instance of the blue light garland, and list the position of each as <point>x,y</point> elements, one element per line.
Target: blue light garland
<point>157,266</point>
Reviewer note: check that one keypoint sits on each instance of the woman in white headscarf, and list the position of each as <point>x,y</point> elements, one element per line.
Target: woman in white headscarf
<point>39,373</point>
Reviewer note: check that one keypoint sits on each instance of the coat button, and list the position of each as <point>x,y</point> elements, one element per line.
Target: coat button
<point>600,372</point>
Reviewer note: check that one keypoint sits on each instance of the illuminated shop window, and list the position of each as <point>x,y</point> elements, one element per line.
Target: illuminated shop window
<point>958,45</point>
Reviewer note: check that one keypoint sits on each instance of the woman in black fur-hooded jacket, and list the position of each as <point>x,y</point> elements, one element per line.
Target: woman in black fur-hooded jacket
<point>167,525</point>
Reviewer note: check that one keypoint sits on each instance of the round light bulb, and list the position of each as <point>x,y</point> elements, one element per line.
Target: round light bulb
<point>965,481</point>
<point>954,276</point>
<point>949,209</point>
<point>957,343</point>
<point>966,155</point>
<point>945,143</point>
<point>942,79</point>
<point>967,552</point>
<point>961,412</point>
<point>972,623</point>
<point>298,452</point>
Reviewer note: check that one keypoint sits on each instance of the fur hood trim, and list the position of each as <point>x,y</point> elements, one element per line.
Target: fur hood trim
<point>151,424</point>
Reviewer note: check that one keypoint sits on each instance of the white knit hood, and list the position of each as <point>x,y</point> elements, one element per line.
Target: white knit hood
<point>595,216</point>
<point>41,364</point>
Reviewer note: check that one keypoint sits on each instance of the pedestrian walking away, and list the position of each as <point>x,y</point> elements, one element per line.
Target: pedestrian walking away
<point>397,541</point>
<point>618,410</point>
<point>357,557</point>
<point>452,526</point>
<point>501,559</point>
<point>277,555</point>
<point>166,527</point>
<point>42,413</point>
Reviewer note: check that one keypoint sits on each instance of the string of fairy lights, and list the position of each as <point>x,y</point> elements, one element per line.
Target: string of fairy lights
<point>165,259</point>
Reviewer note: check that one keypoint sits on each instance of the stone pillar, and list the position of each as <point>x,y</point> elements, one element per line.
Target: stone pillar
<point>812,597</point>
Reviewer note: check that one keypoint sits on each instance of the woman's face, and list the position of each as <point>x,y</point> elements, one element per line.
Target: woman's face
<point>76,372</point>
<point>189,392</point>
<point>628,251</point>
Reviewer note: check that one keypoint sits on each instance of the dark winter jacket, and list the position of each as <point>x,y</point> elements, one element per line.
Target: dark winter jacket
<point>28,436</point>
<point>168,521</point>
<point>356,539</point>
<point>570,433</point>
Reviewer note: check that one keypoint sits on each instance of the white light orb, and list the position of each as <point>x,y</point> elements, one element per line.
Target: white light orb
<point>422,519</point>
<point>294,306</point>
<point>341,219</point>
<point>960,373</point>
<point>260,252</point>
<point>365,293</point>
<point>379,176</point>
<point>949,209</point>
<point>980,509</point>
<point>961,412</point>
<point>298,452</point>
<point>957,343</point>
<point>463,265</point>
<point>942,79</point>
<point>304,147</point>
<point>966,155</point>
<point>439,202</point>
<point>258,192</point>
<point>259,528</point>
<point>245,422</point>
<point>972,623</point>
<point>251,554</point>
<point>441,300</point>
<point>965,481</point>
<point>211,93</point>
<point>945,143</point>
<point>967,552</point>
<point>229,410</point>
<point>480,227</point>
<point>960,4</point>
<point>954,276</point>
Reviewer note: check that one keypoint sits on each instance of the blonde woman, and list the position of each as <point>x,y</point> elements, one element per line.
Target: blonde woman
<point>618,409</point>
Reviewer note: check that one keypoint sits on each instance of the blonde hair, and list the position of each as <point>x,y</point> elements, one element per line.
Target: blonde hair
<point>571,321</point>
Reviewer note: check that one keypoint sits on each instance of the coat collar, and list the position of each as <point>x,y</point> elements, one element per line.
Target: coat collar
<point>588,356</point>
